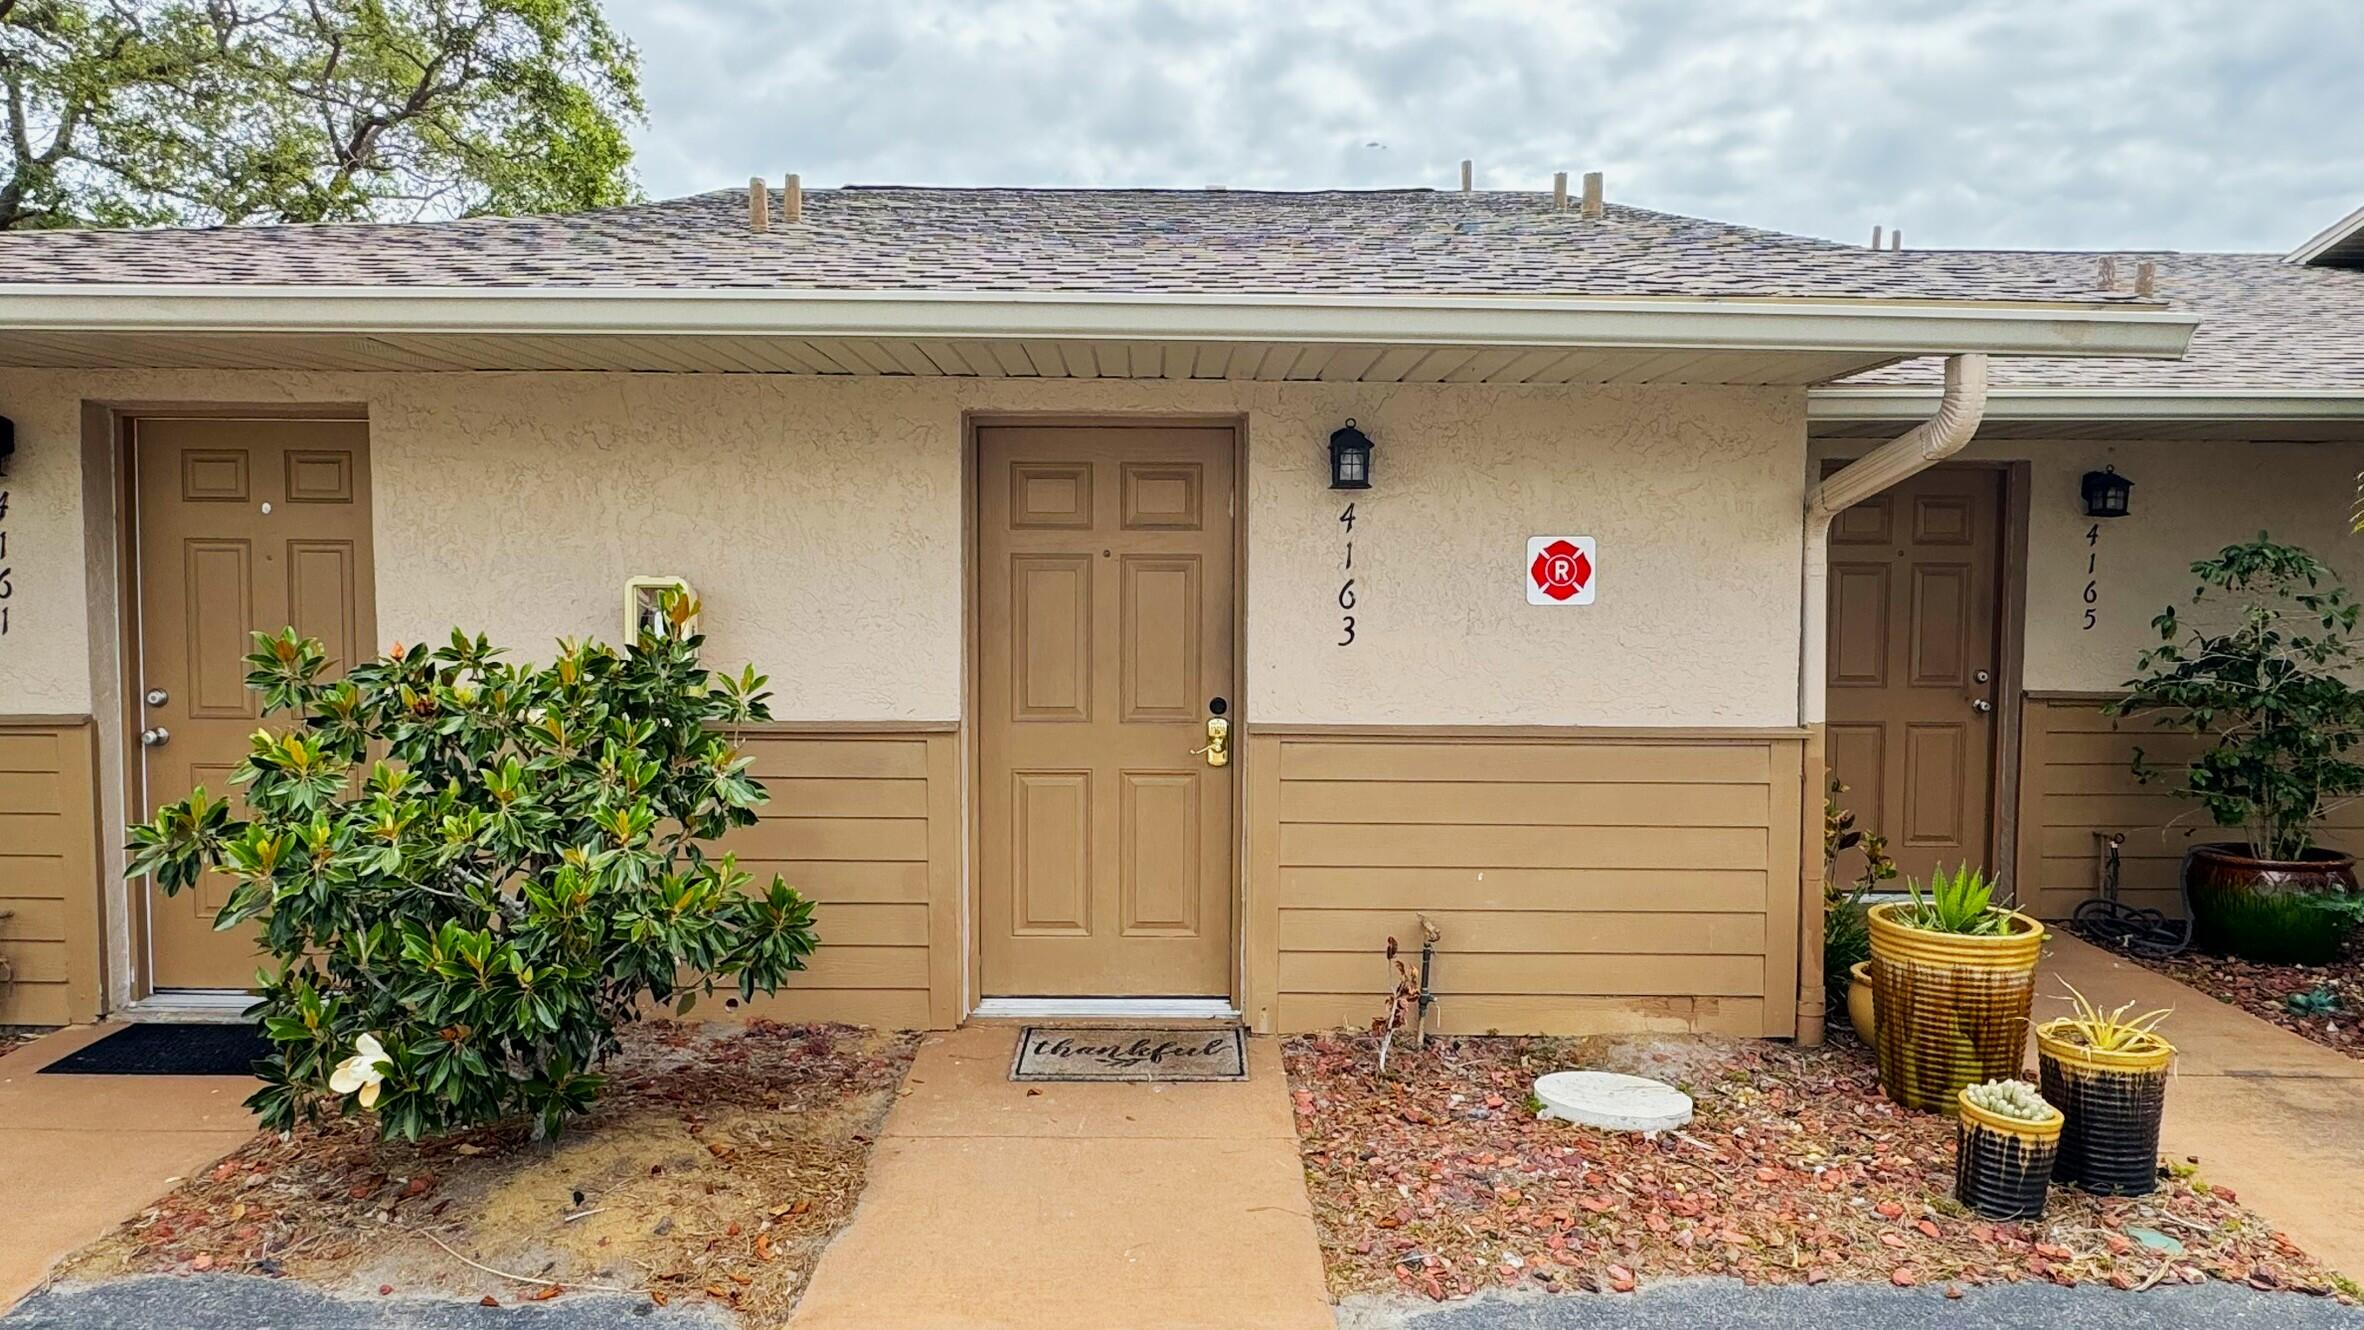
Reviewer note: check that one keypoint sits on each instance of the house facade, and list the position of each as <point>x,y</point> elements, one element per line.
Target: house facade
<point>1012,493</point>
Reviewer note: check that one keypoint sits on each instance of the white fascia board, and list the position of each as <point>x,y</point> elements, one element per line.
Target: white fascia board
<point>2330,237</point>
<point>1876,327</point>
<point>2131,404</point>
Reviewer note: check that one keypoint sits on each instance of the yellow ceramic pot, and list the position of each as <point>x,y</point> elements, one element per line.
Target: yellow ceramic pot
<point>1952,1007</point>
<point>1860,1007</point>
<point>2114,1100</point>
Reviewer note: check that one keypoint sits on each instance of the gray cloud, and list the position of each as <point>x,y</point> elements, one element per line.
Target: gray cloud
<point>2194,124</point>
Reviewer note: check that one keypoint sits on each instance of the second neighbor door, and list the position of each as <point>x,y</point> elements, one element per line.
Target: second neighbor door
<point>1105,618</point>
<point>1915,581</point>
<point>244,525</point>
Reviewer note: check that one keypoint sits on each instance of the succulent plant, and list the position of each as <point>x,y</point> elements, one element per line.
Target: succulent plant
<point>2016,1100</point>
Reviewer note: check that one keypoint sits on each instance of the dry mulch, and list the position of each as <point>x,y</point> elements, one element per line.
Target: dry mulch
<point>1437,1179</point>
<point>14,1037</point>
<point>719,1163</point>
<point>2264,991</point>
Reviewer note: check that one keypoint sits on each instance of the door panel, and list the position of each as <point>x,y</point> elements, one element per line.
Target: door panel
<point>1916,577</point>
<point>1105,845</point>
<point>213,567</point>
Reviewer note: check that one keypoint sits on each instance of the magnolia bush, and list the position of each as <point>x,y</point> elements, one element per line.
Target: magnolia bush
<point>471,874</point>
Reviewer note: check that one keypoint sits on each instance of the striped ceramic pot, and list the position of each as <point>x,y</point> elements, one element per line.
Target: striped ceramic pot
<point>2003,1166</point>
<point>2113,1101</point>
<point>1952,1007</point>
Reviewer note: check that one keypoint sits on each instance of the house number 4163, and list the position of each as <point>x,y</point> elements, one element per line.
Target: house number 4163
<point>1346,596</point>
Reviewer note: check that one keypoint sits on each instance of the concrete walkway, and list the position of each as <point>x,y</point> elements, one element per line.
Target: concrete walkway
<point>2277,1118</point>
<point>78,1154</point>
<point>1046,1206</point>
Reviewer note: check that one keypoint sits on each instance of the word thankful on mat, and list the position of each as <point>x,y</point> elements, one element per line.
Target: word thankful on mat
<point>1190,1053</point>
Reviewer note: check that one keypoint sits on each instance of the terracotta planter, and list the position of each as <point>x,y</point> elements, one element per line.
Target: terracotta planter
<point>1952,1009</point>
<point>2266,909</point>
<point>2002,1166</point>
<point>1860,1008</point>
<point>2112,1101</point>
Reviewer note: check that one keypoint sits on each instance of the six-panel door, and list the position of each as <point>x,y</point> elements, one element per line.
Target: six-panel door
<point>1914,577</point>
<point>1106,625</point>
<point>244,525</point>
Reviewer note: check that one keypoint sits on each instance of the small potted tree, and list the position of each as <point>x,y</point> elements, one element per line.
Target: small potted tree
<point>2004,1148</point>
<point>2260,677</point>
<point>1953,975</point>
<point>2108,1073</point>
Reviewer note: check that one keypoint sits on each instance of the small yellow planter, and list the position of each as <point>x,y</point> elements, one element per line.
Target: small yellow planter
<point>2003,1166</point>
<point>1862,1012</point>
<point>2114,1100</point>
<point>1952,1008</point>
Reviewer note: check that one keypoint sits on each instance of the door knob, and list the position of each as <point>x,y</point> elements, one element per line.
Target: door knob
<point>155,737</point>
<point>1981,705</point>
<point>1218,749</point>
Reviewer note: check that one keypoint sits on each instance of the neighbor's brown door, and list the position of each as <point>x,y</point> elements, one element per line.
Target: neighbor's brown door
<point>1915,576</point>
<point>244,525</point>
<point>1105,590</point>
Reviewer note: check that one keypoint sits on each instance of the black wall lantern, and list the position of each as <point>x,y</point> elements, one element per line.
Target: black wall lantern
<point>1350,458</point>
<point>2107,494</point>
<point>7,443</point>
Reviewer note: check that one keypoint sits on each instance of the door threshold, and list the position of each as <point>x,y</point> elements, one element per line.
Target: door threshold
<point>223,1005</point>
<point>1104,1009</point>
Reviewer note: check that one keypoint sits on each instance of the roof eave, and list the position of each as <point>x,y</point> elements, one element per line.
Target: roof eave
<point>2345,232</point>
<point>1885,403</point>
<point>1881,327</point>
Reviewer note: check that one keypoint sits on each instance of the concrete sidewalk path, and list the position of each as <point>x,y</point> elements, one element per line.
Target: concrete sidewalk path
<point>1076,1207</point>
<point>78,1154</point>
<point>2276,1117</point>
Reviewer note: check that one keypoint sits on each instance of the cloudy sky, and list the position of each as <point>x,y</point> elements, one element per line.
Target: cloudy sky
<point>2193,124</point>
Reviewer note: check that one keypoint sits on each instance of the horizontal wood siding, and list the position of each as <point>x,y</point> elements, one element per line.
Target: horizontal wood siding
<point>2077,783</point>
<point>49,872</point>
<point>866,824</point>
<point>1582,884</point>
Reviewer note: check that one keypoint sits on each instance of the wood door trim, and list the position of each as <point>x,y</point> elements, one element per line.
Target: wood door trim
<point>107,431</point>
<point>1247,936</point>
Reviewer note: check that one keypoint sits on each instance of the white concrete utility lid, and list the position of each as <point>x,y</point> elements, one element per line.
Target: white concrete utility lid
<point>1612,1101</point>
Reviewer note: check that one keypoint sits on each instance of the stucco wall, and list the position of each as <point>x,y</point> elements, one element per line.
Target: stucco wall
<point>822,522</point>
<point>2191,498</point>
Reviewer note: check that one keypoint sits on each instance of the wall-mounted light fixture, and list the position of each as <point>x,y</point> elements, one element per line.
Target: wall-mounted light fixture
<point>7,443</point>
<point>644,606</point>
<point>2107,494</point>
<point>1350,458</point>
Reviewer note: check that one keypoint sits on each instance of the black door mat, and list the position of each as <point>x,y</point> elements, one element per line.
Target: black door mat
<point>1131,1053</point>
<point>149,1049</point>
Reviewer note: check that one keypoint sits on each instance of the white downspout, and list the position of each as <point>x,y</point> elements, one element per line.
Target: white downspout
<point>1918,449</point>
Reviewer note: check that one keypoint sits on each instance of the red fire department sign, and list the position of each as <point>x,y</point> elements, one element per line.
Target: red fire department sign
<point>1561,570</point>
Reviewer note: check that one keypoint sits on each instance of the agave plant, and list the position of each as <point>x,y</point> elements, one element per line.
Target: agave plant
<point>2107,1031</point>
<point>1961,902</point>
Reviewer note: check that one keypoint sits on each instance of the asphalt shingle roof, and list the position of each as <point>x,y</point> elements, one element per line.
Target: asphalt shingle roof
<point>1405,242</point>
<point>2264,324</point>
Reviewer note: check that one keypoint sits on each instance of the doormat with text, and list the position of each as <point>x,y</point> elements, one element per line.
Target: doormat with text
<point>1131,1053</point>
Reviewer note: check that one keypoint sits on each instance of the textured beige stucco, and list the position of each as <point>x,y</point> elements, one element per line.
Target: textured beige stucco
<point>822,523</point>
<point>2191,498</point>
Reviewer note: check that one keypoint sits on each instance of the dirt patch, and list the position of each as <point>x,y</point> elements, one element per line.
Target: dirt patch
<point>14,1037</point>
<point>1437,1179</point>
<point>721,1161</point>
<point>2266,992</point>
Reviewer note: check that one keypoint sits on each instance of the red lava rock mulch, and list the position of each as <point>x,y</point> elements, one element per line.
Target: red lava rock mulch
<point>1437,1179</point>
<point>721,1160</point>
<point>2264,991</point>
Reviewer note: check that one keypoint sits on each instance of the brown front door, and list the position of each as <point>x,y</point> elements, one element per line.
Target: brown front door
<point>1105,597</point>
<point>244,525</point>
<point>1915,577</point>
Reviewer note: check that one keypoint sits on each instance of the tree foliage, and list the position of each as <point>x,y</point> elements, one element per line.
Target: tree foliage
<point>2262,673</point>
<point>486,868</point>
<point>148,112</point>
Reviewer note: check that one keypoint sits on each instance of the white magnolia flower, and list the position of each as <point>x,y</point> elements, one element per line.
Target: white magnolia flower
<point>360,1071</point>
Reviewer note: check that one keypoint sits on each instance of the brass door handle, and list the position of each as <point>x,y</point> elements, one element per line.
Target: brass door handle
<point>1218,747</point>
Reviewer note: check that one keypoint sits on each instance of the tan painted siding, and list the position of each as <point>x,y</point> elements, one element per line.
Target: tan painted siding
<point>49,887</point>
<point>2077,779</point>
<point>1582,882</point>
<point>866,824</point>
